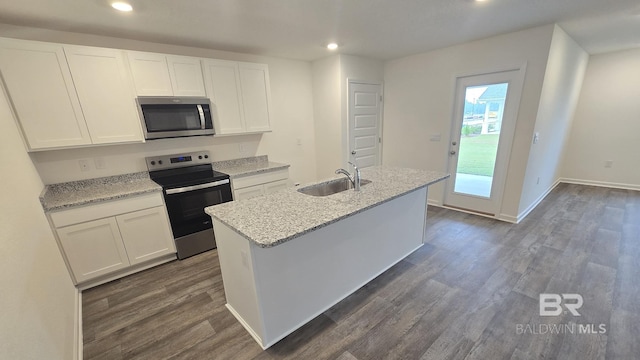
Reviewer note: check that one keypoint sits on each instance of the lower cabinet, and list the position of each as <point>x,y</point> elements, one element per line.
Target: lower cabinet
<point>256,185</point>
<point>94,248</point>
<point>128,237</point>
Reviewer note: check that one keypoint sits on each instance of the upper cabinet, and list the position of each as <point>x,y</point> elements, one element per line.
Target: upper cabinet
<point>39,84</point>
<point>256,96</point>
<point>68,96</point>
<point>240,95</point>
<point>166,75</point>
<point>109,108</point>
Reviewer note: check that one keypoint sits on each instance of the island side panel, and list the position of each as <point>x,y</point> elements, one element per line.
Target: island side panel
<point>238,279</point>
<point>300,279</point>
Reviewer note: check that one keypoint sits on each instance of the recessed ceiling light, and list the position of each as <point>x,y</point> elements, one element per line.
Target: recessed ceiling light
<point>121,6</point>
<point>332,46</point>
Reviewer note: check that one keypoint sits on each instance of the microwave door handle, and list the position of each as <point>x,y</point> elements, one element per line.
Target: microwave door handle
<point>201,112</point>
<point>196,187</point>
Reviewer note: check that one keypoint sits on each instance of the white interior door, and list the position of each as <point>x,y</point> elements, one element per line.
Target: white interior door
<point>486,108</point>
<point>365,118</point>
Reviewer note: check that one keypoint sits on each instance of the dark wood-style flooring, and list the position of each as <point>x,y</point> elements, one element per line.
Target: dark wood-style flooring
<point>461,296</point>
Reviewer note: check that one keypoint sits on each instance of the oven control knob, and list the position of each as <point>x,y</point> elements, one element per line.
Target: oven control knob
<point>200,157</point>
<point>206,156</point>
<point>159,162</point>
<point>153,162</point>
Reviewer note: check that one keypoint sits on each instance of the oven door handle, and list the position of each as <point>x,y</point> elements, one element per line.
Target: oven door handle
<point>201,112</point>
<point>196,187</point>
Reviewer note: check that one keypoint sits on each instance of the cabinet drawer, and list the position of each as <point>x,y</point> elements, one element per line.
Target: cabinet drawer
<point>106,209</point>
<point>264,178</point>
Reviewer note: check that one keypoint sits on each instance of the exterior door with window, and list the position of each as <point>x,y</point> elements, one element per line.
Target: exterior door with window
<point>486,108</point>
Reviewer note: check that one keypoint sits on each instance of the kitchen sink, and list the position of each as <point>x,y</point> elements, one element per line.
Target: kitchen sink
<point>331,187</point>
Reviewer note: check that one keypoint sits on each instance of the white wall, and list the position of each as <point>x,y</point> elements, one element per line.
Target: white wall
<point>606,125</point>
<point>292,118</point>
<point>327,112</point>
<point>560,91</point>
<point>419,95</point>
<point>38,299</point>
<point>331,105</point>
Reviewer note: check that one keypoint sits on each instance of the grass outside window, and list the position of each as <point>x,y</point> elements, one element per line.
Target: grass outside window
<point>477,154</point>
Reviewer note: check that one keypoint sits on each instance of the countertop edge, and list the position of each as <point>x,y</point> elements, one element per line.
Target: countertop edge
<point>48,209</point>
<point>242,174</point>
<point>291,237</point>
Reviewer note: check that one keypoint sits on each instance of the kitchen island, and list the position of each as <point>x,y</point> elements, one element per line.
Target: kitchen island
<point>287,257</point>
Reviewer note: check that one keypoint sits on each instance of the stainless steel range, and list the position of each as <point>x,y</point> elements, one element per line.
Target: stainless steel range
<point>189,185</point>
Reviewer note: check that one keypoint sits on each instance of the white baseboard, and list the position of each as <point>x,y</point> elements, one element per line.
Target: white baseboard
<point>77,332</point>
<point>507,218</point>
<point>537,202</point>
<point>436,203</point>
<point>601,184</point>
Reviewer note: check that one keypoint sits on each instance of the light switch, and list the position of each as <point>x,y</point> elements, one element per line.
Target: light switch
<point>536,137</point>
<point>435,137</point>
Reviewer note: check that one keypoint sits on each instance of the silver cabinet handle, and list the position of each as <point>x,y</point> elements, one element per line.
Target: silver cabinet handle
<point>197,187</point>
<point>201,112</point>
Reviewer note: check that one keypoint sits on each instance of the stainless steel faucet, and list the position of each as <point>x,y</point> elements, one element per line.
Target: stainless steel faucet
<point>355,178</point>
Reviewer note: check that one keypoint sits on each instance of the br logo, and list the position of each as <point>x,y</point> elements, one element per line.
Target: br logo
<point>552,304</point>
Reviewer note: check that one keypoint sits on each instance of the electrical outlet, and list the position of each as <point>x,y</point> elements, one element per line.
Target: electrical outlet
<point>608,163</point>
<point>84,165</point>
<point>538,181</point>
<point>100,163</point>
<point>435,137</point>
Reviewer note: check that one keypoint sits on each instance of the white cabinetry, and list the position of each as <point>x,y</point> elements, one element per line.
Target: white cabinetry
<point>105,92</point>
<point>256,185</point>
<point>256,96</point>
<point>166,75</point>
<point>93,248</point>
<point>39,85</point>
<point>240,95</point>
<point>114,238</point>
<point>83,98</point>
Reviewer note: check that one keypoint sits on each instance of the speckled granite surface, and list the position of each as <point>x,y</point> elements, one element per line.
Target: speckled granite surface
<point>247,166</point>
<point>276,218</point>
<point>66,195</point>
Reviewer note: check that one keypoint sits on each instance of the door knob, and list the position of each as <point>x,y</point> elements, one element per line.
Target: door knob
<point>452,152</point>
<point>454,143</point>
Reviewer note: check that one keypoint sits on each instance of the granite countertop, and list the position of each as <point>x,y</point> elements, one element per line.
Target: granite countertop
<point>247,166</point>
<point>279,217</point>
<point>67,195</point>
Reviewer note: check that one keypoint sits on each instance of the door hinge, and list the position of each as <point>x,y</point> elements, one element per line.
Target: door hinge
<point>380,98</point>
<point>380,140</point>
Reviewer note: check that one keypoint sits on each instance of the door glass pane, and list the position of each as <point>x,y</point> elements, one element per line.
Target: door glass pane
<point>480,133</point>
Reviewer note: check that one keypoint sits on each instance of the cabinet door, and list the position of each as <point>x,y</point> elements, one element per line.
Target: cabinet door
<point>41,90</point>
<point>270,188</point>
<point>222,81</point>
<point>146,234</point>
<point>109,108</point>
<point>93,248</point>
<point>150,74</point>
<point>248,192</point>
<point>256,96</point>
<point>186,76</point>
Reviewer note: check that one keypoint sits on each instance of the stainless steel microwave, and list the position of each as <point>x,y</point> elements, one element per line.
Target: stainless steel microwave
<point>168,117</point>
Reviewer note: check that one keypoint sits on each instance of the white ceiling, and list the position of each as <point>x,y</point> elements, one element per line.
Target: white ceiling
<point>299,29</point>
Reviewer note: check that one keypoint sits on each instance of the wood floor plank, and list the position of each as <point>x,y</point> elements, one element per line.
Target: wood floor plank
<point>460,296</point>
